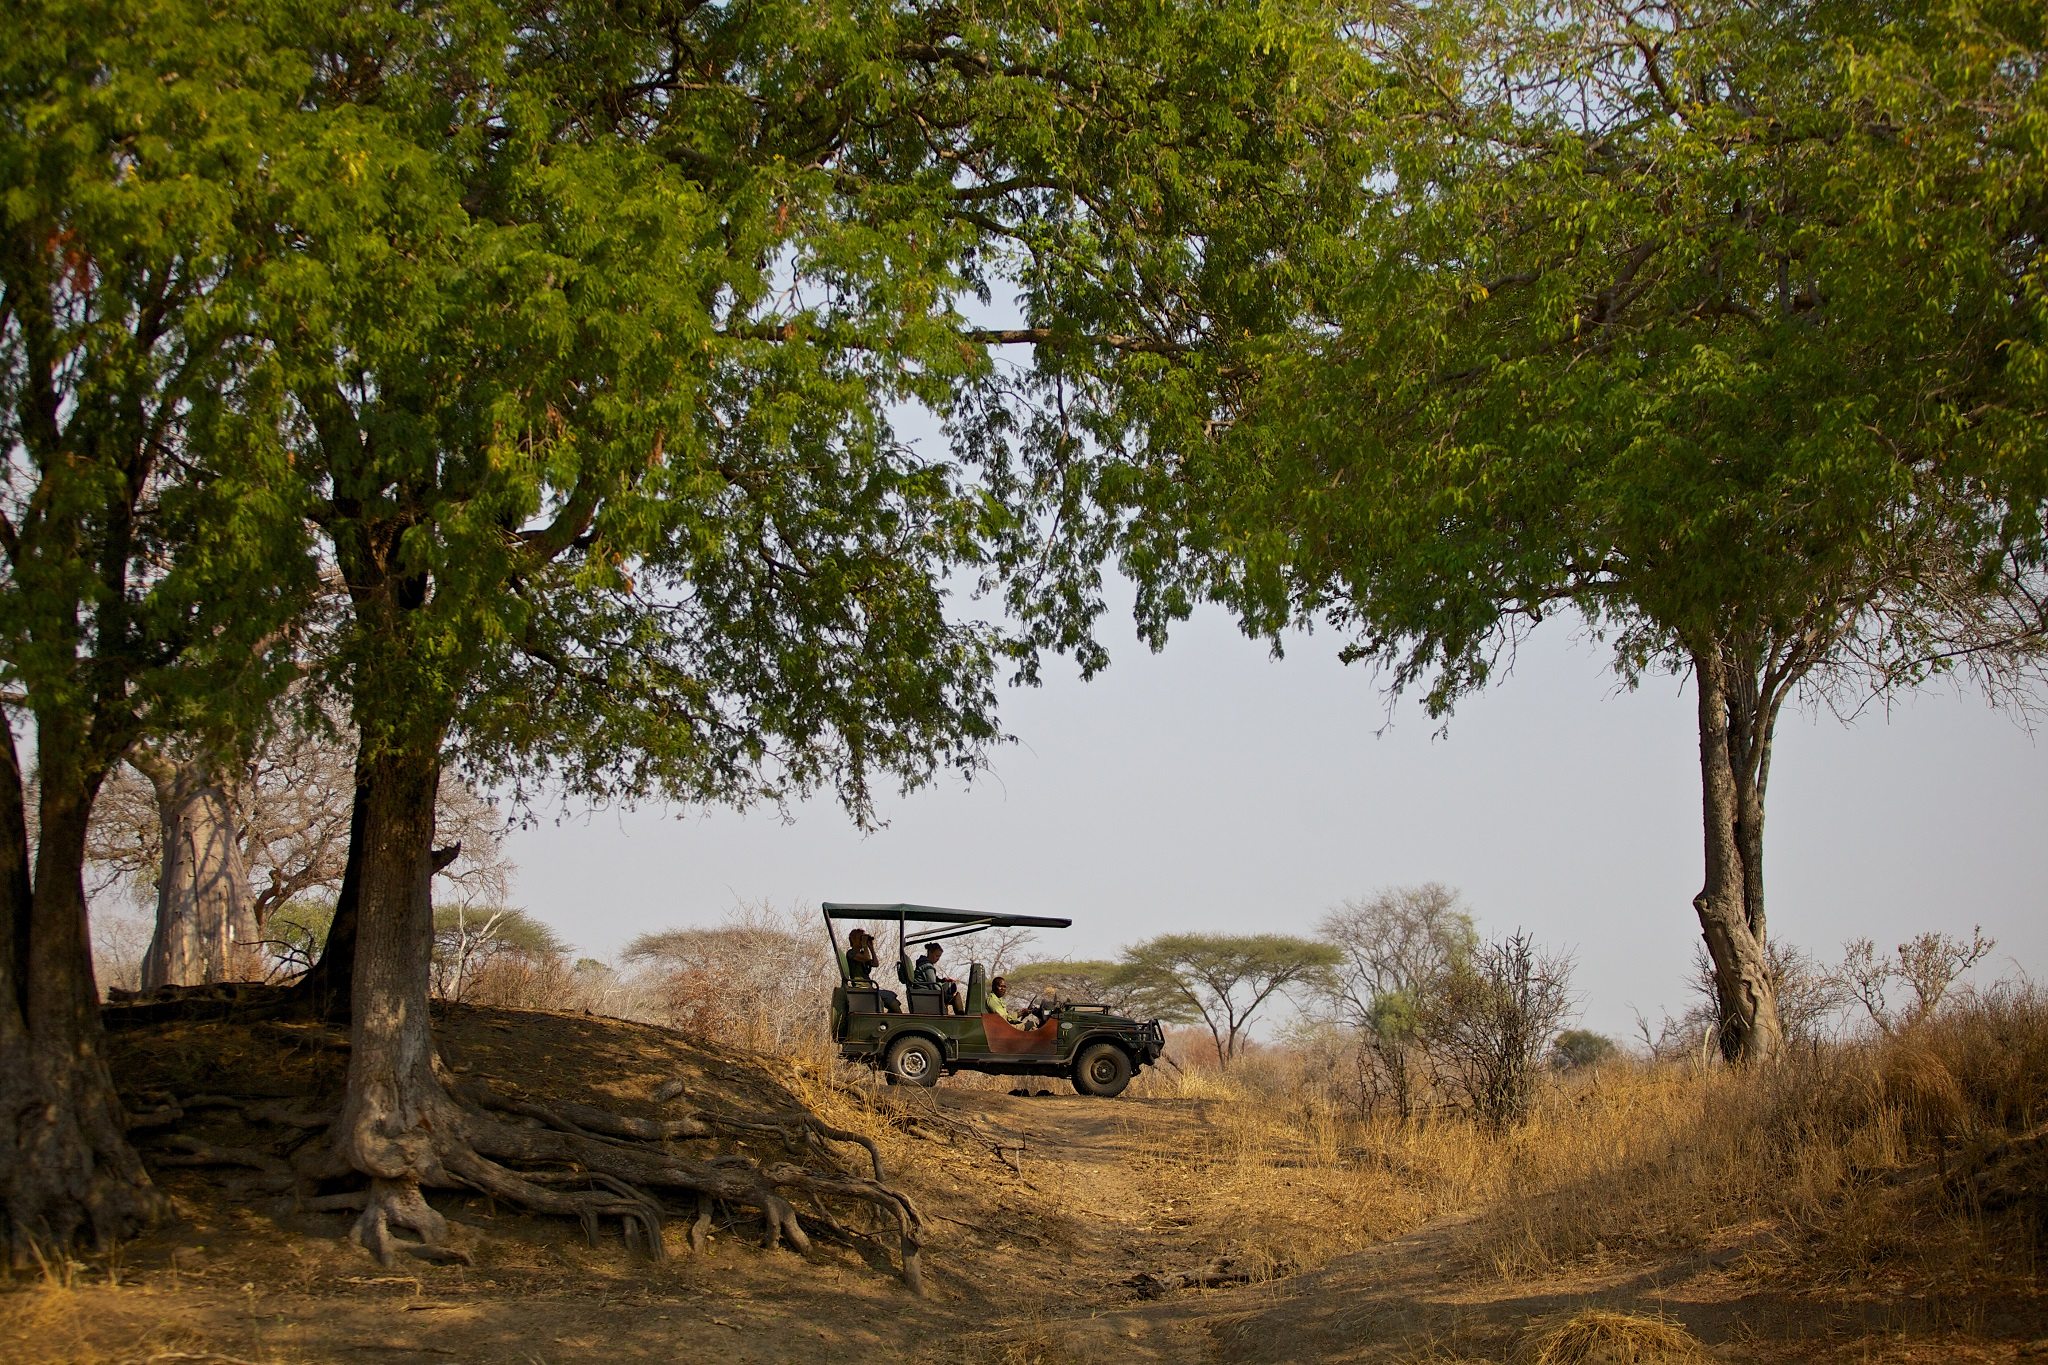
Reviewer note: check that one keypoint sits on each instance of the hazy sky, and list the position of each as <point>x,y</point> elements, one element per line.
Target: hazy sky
<point>1213,788</point>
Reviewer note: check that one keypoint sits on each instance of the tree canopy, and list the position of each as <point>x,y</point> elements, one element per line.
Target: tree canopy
<point>1220,980</point>
<point>1716,326</point>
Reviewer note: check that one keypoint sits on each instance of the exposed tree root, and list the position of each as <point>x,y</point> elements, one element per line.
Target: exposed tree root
<point>244,1000</point>
<point>1152,1285</point>
<point>733,1180</point>
<point>557,1158</point>
<point>399,1203</point>
<point>917,1109</point>
<point>596,1166</point>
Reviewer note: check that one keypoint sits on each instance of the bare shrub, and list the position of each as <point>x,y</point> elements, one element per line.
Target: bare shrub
<point>1397,949</point>
<point>1924,967</point>
<point>1490,1022</point>
<point>763,978</point>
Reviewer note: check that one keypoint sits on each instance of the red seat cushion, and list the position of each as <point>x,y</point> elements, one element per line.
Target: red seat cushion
<point>1006,1038</point>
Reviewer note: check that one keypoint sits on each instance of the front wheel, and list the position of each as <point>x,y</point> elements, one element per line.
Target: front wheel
<point>1102,1070</point>
<point>915,1061</point>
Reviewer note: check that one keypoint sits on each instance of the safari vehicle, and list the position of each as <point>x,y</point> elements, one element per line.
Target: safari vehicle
<point>1096,1049</point>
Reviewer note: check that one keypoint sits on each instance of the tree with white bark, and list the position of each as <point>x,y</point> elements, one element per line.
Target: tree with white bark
<point>217,845</point>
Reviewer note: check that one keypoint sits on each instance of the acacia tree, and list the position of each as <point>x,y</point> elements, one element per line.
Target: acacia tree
<point>148,539</point>
<point>1716,325</point>
<point>1222,980</point>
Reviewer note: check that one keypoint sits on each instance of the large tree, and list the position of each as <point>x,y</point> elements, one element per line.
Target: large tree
<point>595,324</point>
<point>148,536</point>
<point>1717,325</point>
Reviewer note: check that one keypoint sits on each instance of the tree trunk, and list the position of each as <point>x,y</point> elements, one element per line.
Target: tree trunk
<point>1736,720</point>
<point>67,1172</point>
<point>206,927</point>
<point>326,987</point>
<point>396,1111</point>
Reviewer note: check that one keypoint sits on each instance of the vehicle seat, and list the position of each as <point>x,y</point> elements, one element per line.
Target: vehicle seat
<point>926,1002</point>
<point>1006,1039</point>
<point>864,999</point>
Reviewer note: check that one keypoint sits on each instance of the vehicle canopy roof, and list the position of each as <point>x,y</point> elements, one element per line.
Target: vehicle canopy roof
<point>933,914</point>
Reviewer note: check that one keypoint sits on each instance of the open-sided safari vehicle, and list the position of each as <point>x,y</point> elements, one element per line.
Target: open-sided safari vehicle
<point>1099,1051</point>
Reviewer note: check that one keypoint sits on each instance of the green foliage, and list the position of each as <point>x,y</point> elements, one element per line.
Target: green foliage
<point>148,516</point>
<point>1672,327</point>
<point>1219,980</point>
<point>295,932</point>
<point>1576,1049</point>
<point>594,333</point>
<point>595,368</point>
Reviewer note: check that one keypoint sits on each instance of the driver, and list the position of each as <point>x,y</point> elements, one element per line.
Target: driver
<point>997,1004</point>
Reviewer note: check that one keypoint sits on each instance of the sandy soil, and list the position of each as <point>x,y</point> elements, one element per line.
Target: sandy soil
<point>1033,1255</point>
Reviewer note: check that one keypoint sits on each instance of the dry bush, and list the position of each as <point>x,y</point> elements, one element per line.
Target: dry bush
<point>1596,1336</point>
<point>1835,1158</point>
<point>762,979</point>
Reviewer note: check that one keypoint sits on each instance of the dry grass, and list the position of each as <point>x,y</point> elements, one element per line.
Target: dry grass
<point>1836,1163</point>
<point>1831,1168</point>
<point>1834,1160</point>
<point>1595,1336</point>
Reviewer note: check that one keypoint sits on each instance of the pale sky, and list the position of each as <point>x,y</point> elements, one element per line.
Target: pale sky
<point>1213,788</point>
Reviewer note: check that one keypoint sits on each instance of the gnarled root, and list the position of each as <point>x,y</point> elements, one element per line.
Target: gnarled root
<point>590,1164</point>
<point>607,1197</point>
<point>399,1203</point>
<point>735,1181</point>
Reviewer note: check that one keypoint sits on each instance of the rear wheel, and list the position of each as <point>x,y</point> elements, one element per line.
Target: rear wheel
<point>1102,1069</point>
<point>915,1061</point>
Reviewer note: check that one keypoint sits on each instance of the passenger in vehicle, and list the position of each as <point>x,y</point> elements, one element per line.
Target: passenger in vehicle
<point>860,968</point>
<point>926,978</point>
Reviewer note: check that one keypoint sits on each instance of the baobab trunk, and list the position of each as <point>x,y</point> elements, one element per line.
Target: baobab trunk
<point>1736,721</point>
<point>206,928</point>
<point>67,1171</point>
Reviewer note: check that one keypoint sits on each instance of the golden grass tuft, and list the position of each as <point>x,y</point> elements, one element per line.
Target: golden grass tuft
<point>1598,1336</point>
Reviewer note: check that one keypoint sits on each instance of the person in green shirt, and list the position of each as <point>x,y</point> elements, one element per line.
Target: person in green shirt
<point>997,1004</point>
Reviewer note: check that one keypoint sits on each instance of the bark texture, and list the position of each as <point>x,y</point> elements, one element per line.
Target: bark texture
<point>1738,710</point>
<point>394,1096</point>
<point>206,928</point>
<point>67,1172</point>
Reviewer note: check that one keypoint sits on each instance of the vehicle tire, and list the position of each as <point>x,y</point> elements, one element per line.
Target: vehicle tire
<point>915,1061</point>
<point>1102,1070</point>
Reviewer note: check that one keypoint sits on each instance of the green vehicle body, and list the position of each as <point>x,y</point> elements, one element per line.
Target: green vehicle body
<point>1089,1044</point>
